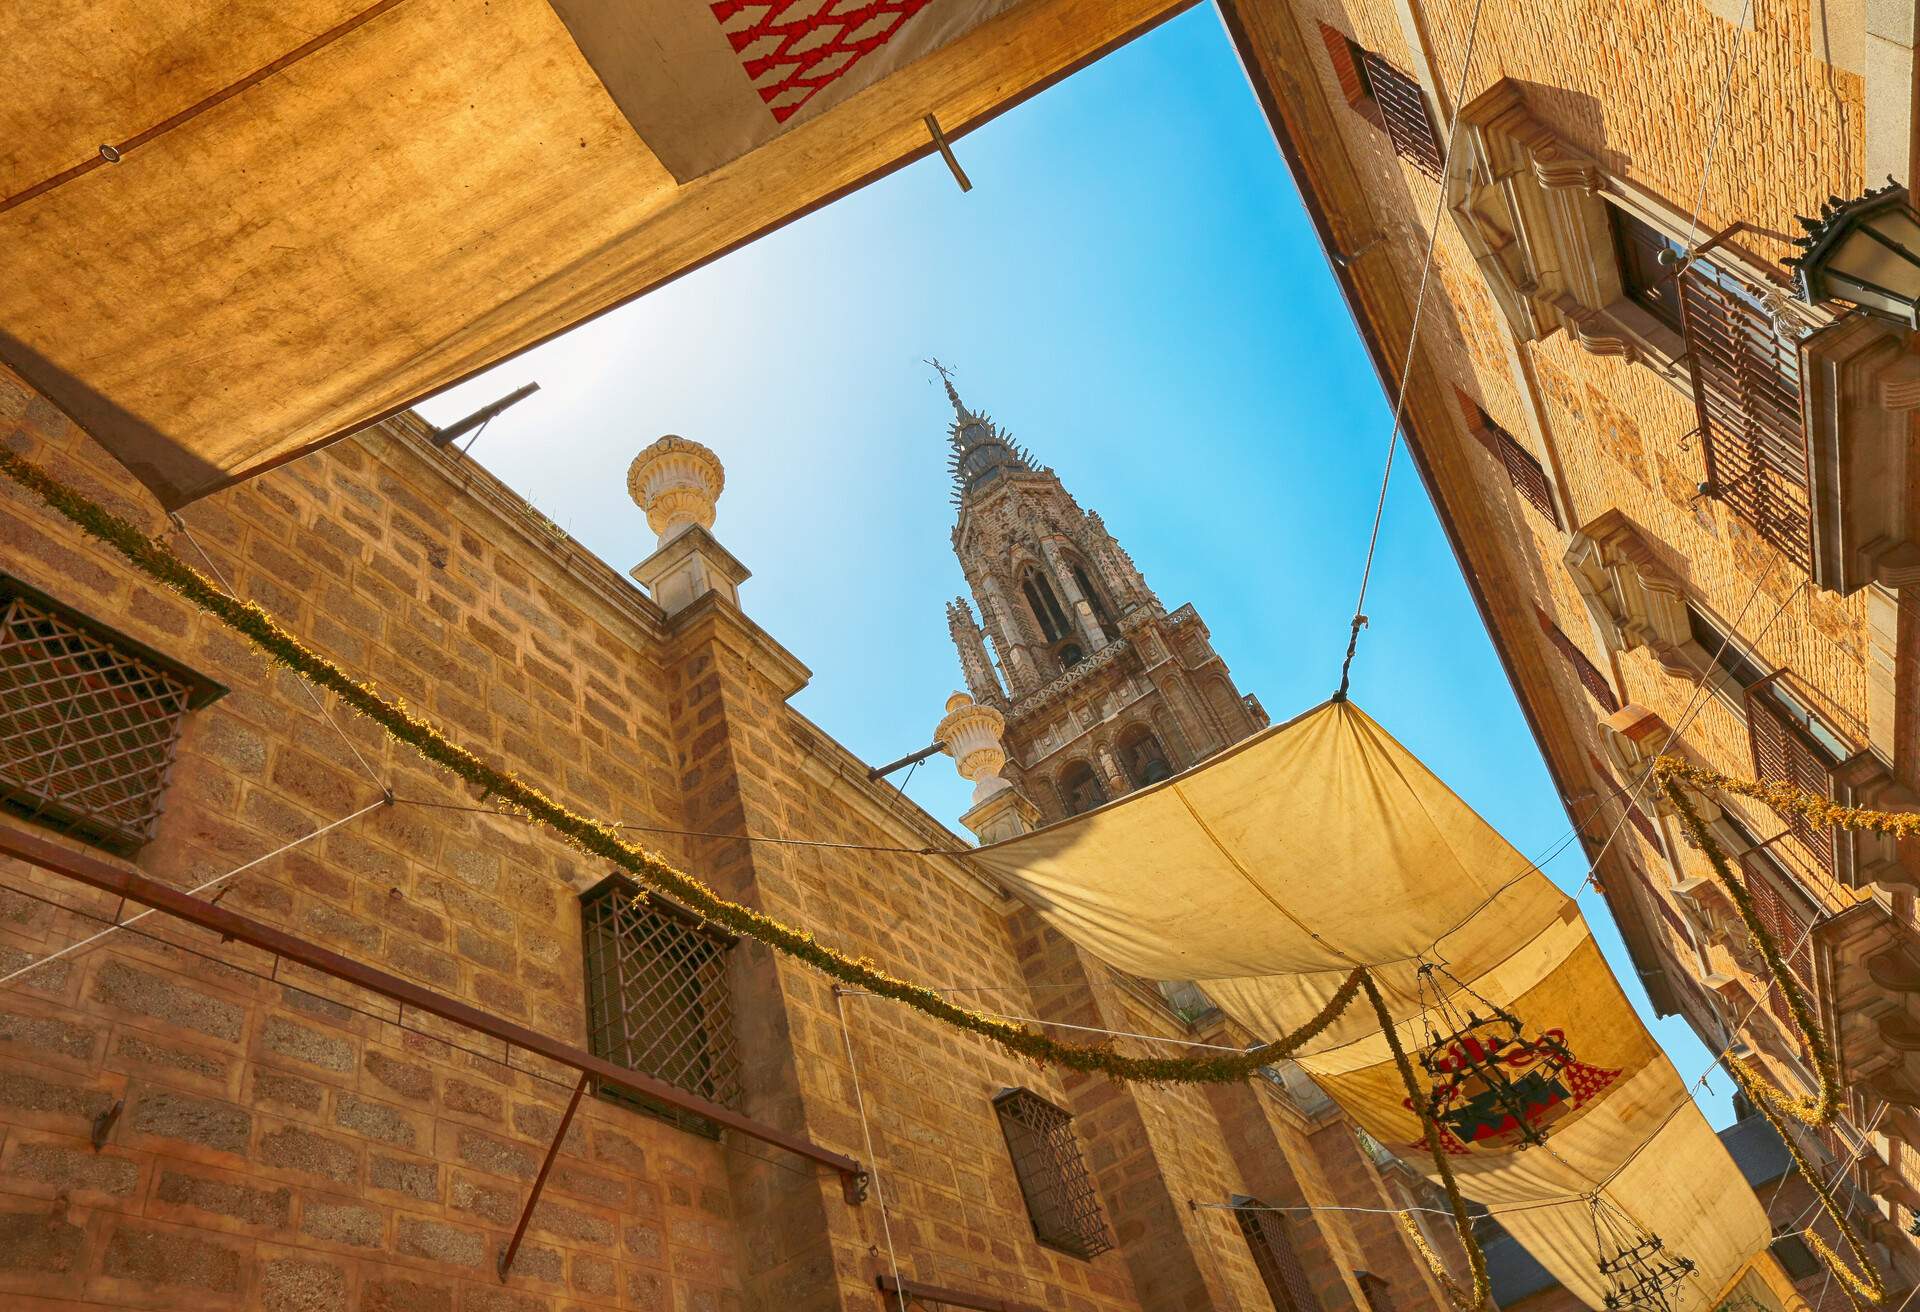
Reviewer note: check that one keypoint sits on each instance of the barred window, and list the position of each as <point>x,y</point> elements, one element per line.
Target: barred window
<point>1791,745</point>
<point>1387,98</point>
<point>1053,1174</point>
<point>1524,470</point>
<point>1379,1293</point>
<point>1274,1256</point>
<point>89,721</point>
<point>658,1001</point>
<point>1588,673</point>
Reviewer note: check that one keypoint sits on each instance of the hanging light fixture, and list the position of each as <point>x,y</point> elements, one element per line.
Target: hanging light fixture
<point>1865,252</point>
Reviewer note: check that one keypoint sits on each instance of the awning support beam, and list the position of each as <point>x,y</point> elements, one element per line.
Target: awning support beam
<point>540,1180</point>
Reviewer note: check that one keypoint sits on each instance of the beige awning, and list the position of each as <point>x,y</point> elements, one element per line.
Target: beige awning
<point>325,210</point>
<point>1272,870</point>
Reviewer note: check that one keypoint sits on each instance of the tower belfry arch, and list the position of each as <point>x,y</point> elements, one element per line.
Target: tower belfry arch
<point>1102,688</point>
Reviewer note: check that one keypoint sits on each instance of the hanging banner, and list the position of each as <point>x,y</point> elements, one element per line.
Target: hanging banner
<point>1268,873</point>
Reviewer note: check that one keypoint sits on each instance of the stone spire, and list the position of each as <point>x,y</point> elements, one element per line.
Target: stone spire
<point>981,452</point>
<point>971,644</point>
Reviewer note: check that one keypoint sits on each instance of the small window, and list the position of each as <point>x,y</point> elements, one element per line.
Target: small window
<point>1379,1293</point>
<point>657,998</point>
<point>1792,745</point>
<point>1728,654</point>
<point>1796,1257</point>
<point>1268,1238</point>
<point>1080,788</point>
<point>1053,1174</point>
<point>1584,669</point>
<point>1524,471</point>
<point>1069,655</point>
<point>1635,816</point>
<point>1092,594</point>
<point>1387,98</point>
<point>1648,283</point>
<point>89,721</point>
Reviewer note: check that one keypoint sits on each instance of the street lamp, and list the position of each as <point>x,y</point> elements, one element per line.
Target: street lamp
<point>1865,252</point>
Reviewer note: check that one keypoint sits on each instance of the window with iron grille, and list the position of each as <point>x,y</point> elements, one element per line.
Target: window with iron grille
<point>1053,1174</point>
<point>1791,745</point>
<point>1274,1256</point>
<point>1589,674</point>
<point>658,1001</point>
<point>1525,472</point>
<point>1746,392</point>
<point>88,721</point>
<point>1379,1293</point>
<point>1387,98</point>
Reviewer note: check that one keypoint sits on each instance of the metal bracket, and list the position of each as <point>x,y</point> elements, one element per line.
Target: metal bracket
<point>854,1187</point>
<point>946,152</point>
<point>103,1123</point>
<point>540,1180</point>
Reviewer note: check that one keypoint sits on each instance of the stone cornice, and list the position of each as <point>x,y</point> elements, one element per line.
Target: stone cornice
<point>1027,707</point>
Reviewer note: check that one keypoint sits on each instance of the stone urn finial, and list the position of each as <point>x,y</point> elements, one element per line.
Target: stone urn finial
<point>970,734</point>
<point>676,482</point>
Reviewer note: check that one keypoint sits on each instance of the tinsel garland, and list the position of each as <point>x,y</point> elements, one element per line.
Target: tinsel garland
<point>1776,1103</point>
<point>1474,1300</point>
<point>597,839</point>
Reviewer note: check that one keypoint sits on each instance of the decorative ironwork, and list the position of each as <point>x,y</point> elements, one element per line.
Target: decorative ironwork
<point>658,1001</point>
<point>1639,1271</point>
<point>88,725</point>
<point>1584,669</point>
<point>1404,108</point>
<point>1274,1257</point>
<point>1745,355</point>
<point>1378,1291</point>
<point>1491,1084</point>
<point>1787,750</point>
<point>1053,1174</point>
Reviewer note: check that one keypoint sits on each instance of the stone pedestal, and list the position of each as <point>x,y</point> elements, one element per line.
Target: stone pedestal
<point>678,482</point>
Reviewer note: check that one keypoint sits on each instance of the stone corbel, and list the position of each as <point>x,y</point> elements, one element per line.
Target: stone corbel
<point>1529,209</point>
<point>1860,386</point>
<point>1863,857</point>
<point>1632,599</point>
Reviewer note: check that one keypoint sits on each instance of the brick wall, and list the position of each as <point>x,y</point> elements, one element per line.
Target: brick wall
<point>288,1143</point>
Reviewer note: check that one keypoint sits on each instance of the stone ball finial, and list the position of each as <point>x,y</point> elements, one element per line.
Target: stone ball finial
<point>677,482</point>
<point>970,734</point>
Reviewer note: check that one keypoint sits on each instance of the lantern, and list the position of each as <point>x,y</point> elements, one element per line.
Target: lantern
<point>1865,252</point>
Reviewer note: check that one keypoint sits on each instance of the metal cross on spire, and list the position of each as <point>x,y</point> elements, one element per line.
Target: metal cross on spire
<point>946,376</point>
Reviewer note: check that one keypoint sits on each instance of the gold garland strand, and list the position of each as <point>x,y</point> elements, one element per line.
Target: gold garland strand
<point>1462,1223</point>
<point>601,840</point>
<point>1773,1102</point>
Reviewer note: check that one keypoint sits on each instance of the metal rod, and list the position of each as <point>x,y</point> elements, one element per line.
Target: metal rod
<point>926,1293</point>
<point>95,873</point>
<point>442,436</point>
<point>882,771</point>
<point>946,153</point>
<point>540,1180</point>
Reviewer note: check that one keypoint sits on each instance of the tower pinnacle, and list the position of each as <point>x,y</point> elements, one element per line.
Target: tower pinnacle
<point>981,452</point>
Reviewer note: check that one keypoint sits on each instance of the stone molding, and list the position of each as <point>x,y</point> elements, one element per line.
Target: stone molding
<point>1633,601</point>
<point>1860,386</point>
<point>970,734</point>
<point>677,482</point>
<point>690,565</point>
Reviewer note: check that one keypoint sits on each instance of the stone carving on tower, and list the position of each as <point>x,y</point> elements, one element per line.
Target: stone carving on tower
<point>1102,690</point>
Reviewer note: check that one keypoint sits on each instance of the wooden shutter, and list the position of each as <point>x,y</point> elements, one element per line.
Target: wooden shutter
<point>1780,913</point>
<point>1404,107</point>
<point>1588,673</point>
<point>1783,751</point>
<point>1524,471</point>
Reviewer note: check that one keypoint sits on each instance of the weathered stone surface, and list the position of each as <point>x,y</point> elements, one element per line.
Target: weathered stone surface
<point>289,1090</point>
<point>204,1121</point>
<point>342,1223</point>
<point>117,984</point>
<point>462,1096</point>
<point>302,1043</point>
<point>173,1258</point>
<point>498,1156</point>
<point>71,1168</point>
<point>295,1149</point>
<point>418,1179</point>
<point>267,1207</point>
<point>373,1119</point>
<point>439,1243</point>
<point>404,1078</point>
<point>166,1056</point>
<point>301,1285</point>
<point>42,1033</point>
<point>39,1241</point>
<point>397,1295</point>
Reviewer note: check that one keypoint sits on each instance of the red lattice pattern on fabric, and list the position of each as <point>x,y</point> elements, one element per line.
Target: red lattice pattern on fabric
<point>1588,1081</point>
<point>805,46</point>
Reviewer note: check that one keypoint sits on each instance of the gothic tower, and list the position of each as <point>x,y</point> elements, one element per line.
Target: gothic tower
<point>1102,688</point>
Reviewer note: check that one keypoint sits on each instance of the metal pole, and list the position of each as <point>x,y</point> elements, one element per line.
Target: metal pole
<point>442,436</point>
<point>882,771</point>
<point>540,1180</point>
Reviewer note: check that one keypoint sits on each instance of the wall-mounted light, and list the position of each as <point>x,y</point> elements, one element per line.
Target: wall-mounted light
<point>1865,252</point>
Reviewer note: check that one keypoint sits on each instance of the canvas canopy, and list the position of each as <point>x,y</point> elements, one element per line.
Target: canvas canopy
<point>325,210</point>
<point>1271,871</point>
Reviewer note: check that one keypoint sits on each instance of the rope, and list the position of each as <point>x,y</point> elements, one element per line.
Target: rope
<point>1413,338</point>
<point>670,832</point>
<point>866,1133</point>
<point>1088,1029</point>
<point>192,892</point>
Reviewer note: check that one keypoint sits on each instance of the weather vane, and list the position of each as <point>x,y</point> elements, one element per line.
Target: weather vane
<point>945,373</point>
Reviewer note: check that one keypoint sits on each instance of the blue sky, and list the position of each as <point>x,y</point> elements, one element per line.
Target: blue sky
<point>1134,290</point>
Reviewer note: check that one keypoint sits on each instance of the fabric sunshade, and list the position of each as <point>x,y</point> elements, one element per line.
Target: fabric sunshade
<point>325,210</point>
<point>1271,871</point>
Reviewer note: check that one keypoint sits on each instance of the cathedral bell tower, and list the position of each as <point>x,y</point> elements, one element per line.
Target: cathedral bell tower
<point>1101,688</point>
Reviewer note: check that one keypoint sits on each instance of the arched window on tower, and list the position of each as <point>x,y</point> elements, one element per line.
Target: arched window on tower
<point>1080,788</point>
<point>1046,606</point>
<point>1092,594</point>
<point>1142,757</point>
